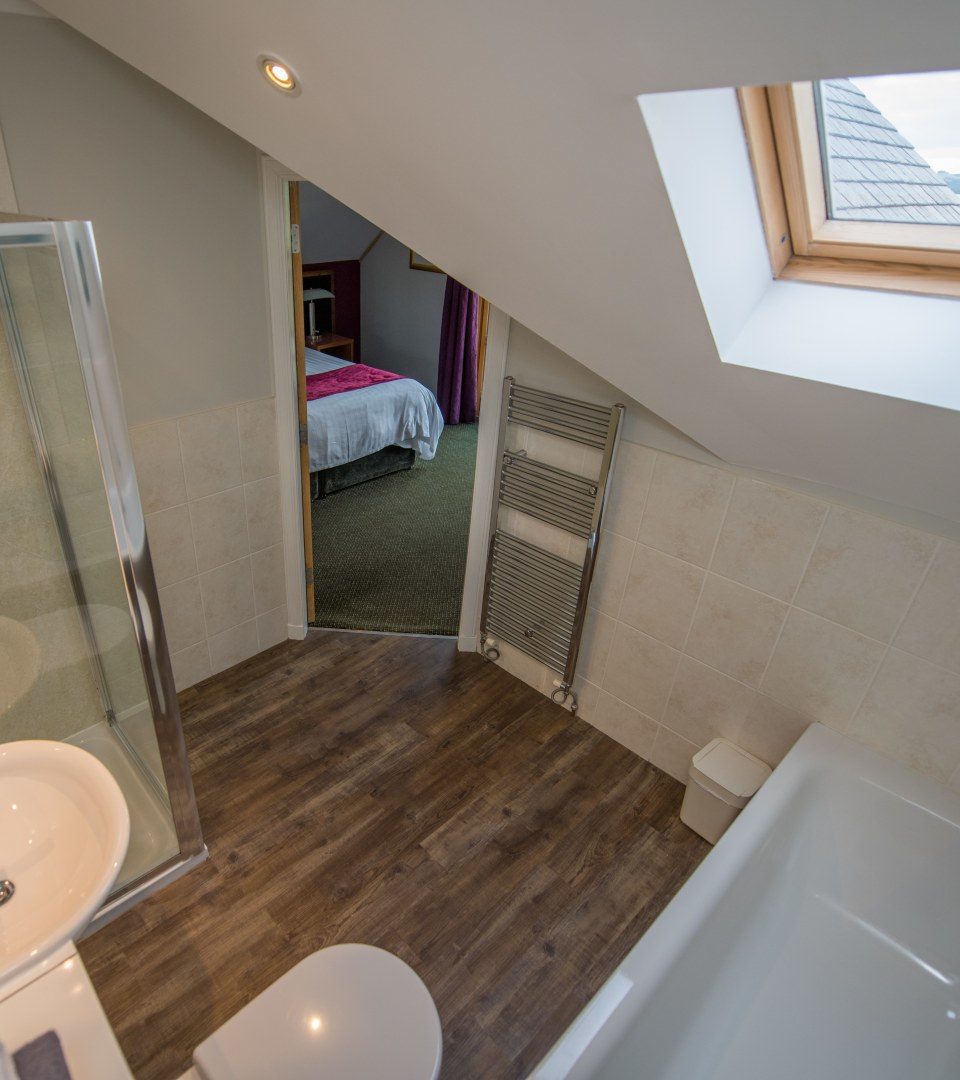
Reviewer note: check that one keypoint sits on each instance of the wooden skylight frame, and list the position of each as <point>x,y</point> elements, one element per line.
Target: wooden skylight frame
<point>780,123</point>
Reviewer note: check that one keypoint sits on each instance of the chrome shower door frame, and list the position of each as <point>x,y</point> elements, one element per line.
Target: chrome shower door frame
<point>84,291</point>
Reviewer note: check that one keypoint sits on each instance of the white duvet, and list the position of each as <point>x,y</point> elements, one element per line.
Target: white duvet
<point>347,426</point>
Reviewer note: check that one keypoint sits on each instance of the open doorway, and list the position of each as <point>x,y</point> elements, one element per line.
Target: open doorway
<point>389,360</point>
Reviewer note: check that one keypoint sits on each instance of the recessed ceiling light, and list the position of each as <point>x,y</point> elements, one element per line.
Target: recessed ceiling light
<point>279,74</point>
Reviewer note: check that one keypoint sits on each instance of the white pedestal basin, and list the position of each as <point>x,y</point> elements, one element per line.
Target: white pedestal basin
<point>19,661</point>
<point>64,828</point>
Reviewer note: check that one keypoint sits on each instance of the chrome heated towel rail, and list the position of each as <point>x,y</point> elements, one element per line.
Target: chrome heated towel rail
<point>533,599</point>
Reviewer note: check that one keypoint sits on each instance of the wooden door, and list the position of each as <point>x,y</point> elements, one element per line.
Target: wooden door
<point>483,324</point>
<point>296,270</point>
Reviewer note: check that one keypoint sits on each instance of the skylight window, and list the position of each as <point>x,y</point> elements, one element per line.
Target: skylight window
<point>891,148</point>
<point>858,179</point>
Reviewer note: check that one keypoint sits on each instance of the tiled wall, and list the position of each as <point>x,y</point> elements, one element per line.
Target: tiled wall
<point>726,606</point>
<point>211,495</point>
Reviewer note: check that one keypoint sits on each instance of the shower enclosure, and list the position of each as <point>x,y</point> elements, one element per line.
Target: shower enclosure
<point>83,657</point>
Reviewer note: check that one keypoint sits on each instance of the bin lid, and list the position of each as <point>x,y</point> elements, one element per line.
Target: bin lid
<point>728,772</point>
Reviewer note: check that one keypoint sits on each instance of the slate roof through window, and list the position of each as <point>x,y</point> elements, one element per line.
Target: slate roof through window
<point>875,173</point>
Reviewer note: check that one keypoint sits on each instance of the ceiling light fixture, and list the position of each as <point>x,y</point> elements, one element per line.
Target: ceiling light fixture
<point>279,74</point>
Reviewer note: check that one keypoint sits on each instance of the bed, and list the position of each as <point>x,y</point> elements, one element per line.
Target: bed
<point>360,434</point>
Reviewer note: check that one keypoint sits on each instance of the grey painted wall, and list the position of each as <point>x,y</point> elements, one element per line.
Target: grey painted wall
<point>400,313</point>
<point>175,203</point>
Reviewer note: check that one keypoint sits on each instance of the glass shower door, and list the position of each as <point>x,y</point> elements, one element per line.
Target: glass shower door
<point>75,573</point>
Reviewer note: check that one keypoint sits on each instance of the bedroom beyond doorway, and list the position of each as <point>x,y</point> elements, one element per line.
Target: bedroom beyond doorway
<point>389,356</point>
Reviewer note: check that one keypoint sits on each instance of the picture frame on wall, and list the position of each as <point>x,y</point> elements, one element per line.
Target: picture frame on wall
<point>418,262</point>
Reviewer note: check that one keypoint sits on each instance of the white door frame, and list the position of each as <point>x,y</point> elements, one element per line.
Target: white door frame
<point>276,235</point>
<point>488,435</point>
<point>276,230</point>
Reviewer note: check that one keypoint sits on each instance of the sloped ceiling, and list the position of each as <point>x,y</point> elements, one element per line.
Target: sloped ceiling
<point>504,142</point>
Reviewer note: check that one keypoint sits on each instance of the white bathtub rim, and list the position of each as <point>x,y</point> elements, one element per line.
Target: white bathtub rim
<point>820,751</point>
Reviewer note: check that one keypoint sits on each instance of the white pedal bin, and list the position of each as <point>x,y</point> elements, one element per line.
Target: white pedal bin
<point>723,779</point>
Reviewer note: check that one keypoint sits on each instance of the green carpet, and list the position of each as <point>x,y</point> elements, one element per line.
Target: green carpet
<point>390,554</point>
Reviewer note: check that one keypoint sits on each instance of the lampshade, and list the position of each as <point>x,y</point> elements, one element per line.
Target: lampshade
<point>317,294</point>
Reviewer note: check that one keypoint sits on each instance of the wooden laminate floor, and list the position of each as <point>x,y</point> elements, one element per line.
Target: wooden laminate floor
<point>392,791</point>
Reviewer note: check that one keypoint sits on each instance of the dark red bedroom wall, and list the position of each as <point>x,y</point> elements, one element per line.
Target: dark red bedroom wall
<point>346,303</point>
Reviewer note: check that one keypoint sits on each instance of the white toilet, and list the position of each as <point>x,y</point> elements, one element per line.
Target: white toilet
<point>348,1011</point>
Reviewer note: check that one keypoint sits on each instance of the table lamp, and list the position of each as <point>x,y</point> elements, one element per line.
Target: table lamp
<point>312,295</point>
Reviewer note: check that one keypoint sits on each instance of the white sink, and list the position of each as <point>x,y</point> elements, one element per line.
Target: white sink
<point>19,661</point>
<point>64,828</point>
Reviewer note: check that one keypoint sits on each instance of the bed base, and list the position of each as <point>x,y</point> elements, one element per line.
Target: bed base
<point>391,459</point>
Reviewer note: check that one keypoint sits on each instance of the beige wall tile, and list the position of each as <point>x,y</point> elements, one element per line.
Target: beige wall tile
<point>210,448</point>
<point>524,667</point>
<point>705,705</point>
<point>258,438</point>
<point>156,453</point>
<point>233,646</point>
<point>97,552</point>
<point>661,595</point>
<point>735,629</point>
<point>622,722</point>
<point>912,712</point>
<point>576,550</point>
<point>269,589</point>
<point>264,522</point>
<point>70,390</point>
<point>199,521</point>
<point>219,527</point>
<point>191,665</point>
<point>77,465</point>
<point>597,635</point>
<point>516,438</point>
<point>613,565</point>
<point>86,511</point>
<point>182,609</point>
<point>769,730</point>
<point>228,596</point>
<point>672,753</point>
<point>932,626</point>
<point>272,628</point>
<point>863,572</point>
<point>46,392</point>
<point>556,541</point>
<point>820,669</point>
<point>508,520</point>
<point>120,658</point>
<point>628,489</point>
<point>552,450</point>
<point>685,508</point>
<point>640,670</point>
<point>588,694</point>
<point>171,545</point>
<point>767,537</point>
<point>592,462</point>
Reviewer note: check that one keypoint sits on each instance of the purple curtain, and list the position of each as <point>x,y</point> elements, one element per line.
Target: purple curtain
<point>457,374</point>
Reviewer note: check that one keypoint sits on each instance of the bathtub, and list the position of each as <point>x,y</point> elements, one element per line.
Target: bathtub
<point>819,939</point>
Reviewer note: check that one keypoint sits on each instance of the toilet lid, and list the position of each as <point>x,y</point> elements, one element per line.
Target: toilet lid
<point>347,1011</point>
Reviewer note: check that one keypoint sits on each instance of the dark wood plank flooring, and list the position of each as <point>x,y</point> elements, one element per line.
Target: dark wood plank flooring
<point>392,791</point>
